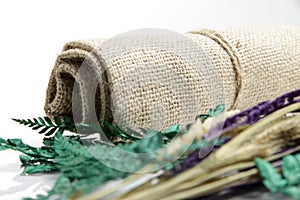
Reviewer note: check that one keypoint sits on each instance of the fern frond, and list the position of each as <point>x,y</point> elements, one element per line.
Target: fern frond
<point>46,126</point>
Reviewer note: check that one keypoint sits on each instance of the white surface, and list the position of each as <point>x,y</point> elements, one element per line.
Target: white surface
<point>32,33</point>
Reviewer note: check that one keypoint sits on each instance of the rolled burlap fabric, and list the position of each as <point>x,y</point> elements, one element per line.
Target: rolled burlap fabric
<point>159,79</point>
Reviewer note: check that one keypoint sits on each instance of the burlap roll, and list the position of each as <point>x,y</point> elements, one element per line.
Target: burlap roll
<point>163,79</point>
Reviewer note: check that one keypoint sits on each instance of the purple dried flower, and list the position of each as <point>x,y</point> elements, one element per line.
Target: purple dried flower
<point>198,155</point>
<point>248,116</point>
<point>259,111</point>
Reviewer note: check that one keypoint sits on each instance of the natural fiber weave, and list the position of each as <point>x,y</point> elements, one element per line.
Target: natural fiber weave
<point>163,79</point>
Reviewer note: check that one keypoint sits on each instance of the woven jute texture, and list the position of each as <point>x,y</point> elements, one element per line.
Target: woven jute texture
<point>156,80</point>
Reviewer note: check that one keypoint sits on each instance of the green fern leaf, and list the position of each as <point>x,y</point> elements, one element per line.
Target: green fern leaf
<point>39,168</point>
<point>291,169</point>
<point>51,132</point>
<point>30,122</point>
<point>292,191</point>
<point>271,178</point>
<point>36,121</point>
<point>298,158</point>
<point>31,125</point>
<point>41,120</point>
<point>57,121</point>
<point>212,112</point>
<point>46,126</point>
<point>36,127</point>
<point>67,121</point>
<point>44,130</point>
<point>48,120</point>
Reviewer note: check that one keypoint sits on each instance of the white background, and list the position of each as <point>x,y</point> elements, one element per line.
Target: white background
<point>32,33</point>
